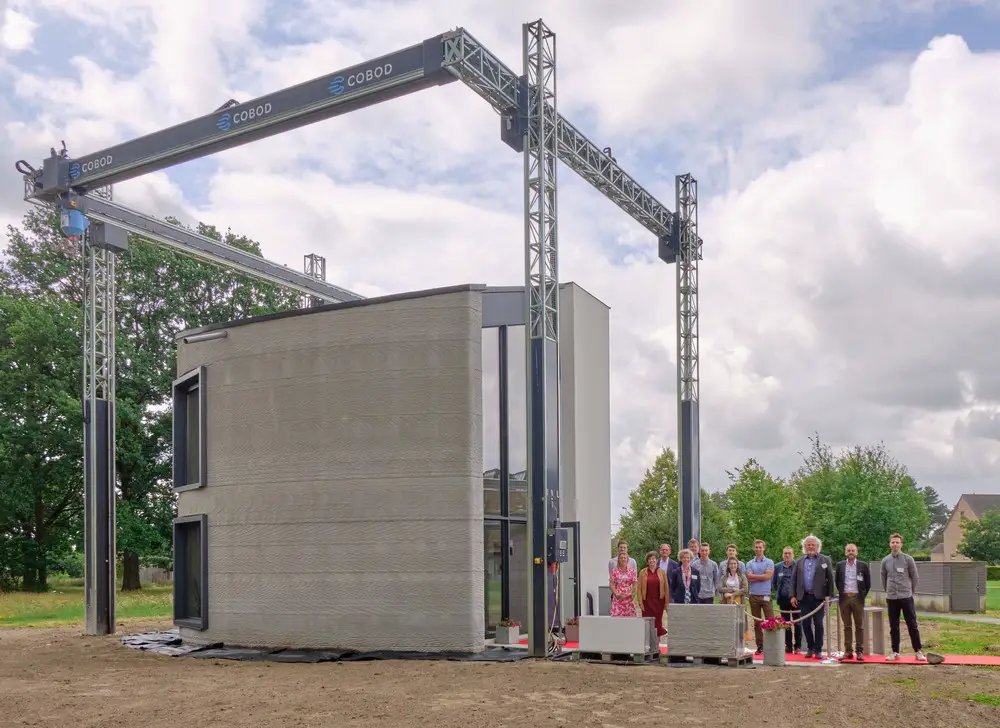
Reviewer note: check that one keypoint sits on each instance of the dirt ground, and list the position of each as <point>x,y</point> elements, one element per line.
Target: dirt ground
<point>59,677</point>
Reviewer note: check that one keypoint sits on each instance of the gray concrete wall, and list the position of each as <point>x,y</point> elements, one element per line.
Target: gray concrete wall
<point>344,495</point>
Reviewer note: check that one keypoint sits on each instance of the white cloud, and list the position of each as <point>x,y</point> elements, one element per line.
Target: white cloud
<point>17,30</point>
<point>849,282</point>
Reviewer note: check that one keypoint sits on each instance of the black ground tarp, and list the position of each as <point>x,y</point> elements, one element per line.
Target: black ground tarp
<point>170,643</point>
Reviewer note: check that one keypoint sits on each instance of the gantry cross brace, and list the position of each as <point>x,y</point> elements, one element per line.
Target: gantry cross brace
<point>530,123</point>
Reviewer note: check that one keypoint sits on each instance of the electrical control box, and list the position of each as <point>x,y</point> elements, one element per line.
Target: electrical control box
<point>558,546</point>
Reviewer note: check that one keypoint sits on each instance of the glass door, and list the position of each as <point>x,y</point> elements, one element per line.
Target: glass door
<point>569,575</point>
<point>493,581</point>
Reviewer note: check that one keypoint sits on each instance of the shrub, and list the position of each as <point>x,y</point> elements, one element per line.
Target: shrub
<point>993,573</point>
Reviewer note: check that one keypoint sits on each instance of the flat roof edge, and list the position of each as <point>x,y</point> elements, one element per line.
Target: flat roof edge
<point>407,295</point>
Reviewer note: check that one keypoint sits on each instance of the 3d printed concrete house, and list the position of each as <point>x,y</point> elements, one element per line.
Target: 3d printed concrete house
<point>351,475</point>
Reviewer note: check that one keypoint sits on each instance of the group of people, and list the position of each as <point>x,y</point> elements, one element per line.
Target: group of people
<point>801,588</point>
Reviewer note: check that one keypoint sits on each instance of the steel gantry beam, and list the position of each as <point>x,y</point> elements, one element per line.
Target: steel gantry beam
<point>531,124</point>
<point>213,251</point>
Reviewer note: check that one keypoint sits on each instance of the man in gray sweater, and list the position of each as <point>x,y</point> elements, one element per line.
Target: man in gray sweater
<point>899,579</point>
<point>708,574</point>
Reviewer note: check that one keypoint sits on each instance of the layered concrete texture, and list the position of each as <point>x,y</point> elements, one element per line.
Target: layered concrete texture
<point>707,630</point>
<point>344,496</point>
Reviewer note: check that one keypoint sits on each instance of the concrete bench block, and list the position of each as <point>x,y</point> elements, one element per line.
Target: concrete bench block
<point>707,630</point>
<point>619,635</point>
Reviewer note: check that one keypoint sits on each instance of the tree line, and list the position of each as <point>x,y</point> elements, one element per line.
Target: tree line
<point>159,293</point>
<point>860,496</point>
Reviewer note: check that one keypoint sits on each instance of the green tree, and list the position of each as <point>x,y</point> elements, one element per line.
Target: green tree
<point>40,435</point>
<point>652,515</point>
<point>651,518</point>
<point>938,514</point>
<point>981,539</point>
<point>860,496</point>
<point>159,293</point>
<point>762,507</point>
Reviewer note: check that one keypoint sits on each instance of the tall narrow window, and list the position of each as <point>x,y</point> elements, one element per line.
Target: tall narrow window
<point>191,572</point>
<point>517,420</point>
<point>491,421</point>
<point>190,445</point>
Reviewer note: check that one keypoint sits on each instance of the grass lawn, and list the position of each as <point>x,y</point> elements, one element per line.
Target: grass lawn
<point>993,598</point>
<point>65,605</point>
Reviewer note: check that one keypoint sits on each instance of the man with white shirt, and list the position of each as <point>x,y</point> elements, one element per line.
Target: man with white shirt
<point>622,549</point>
<point>673,571</point>
<point>853,582</point>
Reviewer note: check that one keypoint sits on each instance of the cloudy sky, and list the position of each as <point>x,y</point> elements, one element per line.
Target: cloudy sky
<point>848,154</point>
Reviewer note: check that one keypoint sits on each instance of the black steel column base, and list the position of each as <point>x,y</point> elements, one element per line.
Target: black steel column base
<point>98,474</point>
<point>543,485</point>
<point>689,478</point>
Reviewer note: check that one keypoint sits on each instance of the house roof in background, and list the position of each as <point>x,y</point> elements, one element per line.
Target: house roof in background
<point>982,502</point>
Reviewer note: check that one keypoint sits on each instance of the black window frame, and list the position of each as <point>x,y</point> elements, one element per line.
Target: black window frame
<point>180,572</point>
<point>504,518</point>
<point>182,387</point>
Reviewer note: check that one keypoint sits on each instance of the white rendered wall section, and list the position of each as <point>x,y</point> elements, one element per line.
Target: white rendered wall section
<point>585,431</point>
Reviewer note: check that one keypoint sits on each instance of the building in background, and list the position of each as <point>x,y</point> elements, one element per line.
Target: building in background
<point>353,475</point>
<point>971,506</point>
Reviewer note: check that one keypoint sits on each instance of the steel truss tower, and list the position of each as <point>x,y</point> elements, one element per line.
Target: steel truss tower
<point>314,266</point>
<point>99,474</point>
<point>541,280</point>
<point>688,447</point>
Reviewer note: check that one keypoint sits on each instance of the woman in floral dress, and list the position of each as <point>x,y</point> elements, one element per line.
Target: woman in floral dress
<point>623,583</point>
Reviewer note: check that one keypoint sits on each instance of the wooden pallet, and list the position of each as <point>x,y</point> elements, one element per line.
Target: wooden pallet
<point>711,660</point>
<point>620,658</point>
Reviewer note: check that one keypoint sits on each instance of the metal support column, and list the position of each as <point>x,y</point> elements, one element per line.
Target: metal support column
<point>99,434</point>
<point>687,246</point>
<point>314,266</point>
<point>542,298</point>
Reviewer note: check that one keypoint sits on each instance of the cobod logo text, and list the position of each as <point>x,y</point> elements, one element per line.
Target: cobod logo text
<point>91,165</point>
<point>340,84</point>
<point>230,119</point>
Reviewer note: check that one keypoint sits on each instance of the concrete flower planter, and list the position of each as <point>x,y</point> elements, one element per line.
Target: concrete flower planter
<point>508,635</point>
<point>572,633</point>
<point>774,647</point>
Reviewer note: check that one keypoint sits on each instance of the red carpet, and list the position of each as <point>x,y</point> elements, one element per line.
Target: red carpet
<point>989,660</point>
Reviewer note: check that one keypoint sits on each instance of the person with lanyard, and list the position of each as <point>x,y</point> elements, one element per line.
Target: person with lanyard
<point>685,589</point>
<point>899,579</point>
<point>783,583</point>
<point>708,575</point>
<point>759,572</point>
<point>813,586</point>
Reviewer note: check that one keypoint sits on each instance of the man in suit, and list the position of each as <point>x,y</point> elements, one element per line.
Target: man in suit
<point>673,571</point>
<point>784,584</point>
<point>854,579</point>
<point>813,586</point>
<point>670,567</point>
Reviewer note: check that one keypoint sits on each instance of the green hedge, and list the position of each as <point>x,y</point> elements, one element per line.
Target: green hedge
<point>993,573</point>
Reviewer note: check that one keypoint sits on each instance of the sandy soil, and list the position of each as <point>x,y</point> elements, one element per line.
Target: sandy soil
<point>58,677</point>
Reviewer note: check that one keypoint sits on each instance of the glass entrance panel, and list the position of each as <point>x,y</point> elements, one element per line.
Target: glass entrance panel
<point>493,581</point>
